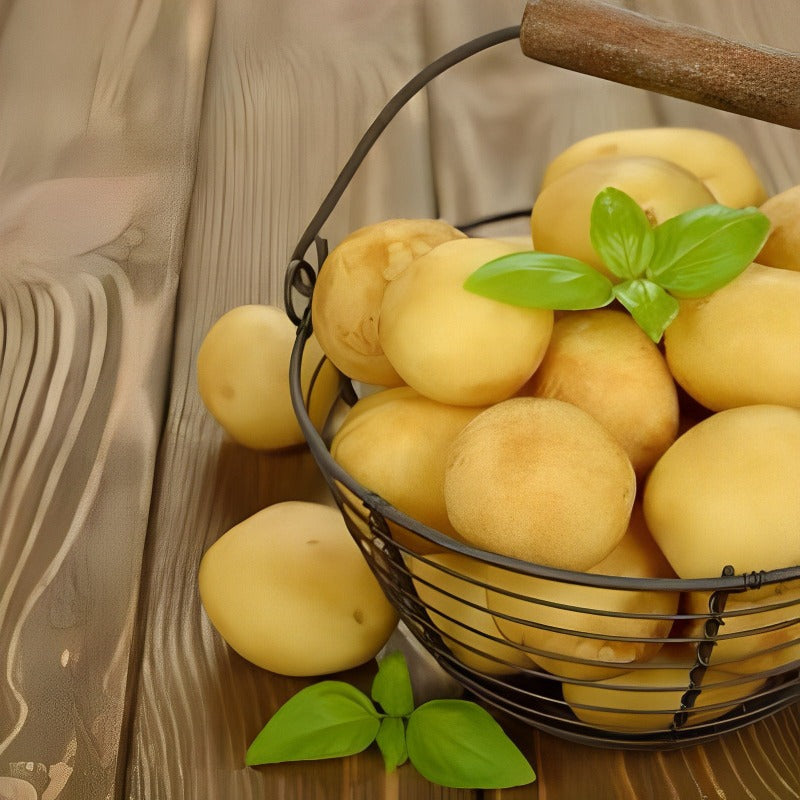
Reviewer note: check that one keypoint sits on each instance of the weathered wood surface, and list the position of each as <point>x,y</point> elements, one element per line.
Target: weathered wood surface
<point>131,217</point>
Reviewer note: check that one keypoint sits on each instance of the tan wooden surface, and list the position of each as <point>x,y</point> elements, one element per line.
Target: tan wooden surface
<point>157,163</point>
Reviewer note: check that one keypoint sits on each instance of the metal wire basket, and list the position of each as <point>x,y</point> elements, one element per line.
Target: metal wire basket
<point>722,662</point>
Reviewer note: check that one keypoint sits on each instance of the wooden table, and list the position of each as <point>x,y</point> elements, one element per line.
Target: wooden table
<point>157,164</point>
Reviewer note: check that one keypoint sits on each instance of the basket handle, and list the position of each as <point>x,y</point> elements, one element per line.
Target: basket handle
<point>670,58</point>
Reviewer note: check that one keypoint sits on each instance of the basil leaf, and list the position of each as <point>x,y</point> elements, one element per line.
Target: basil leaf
<point>621,233</point>
<point>391,687</point>
<point>457,744</point>
<point>651,307</point>
<point>701,250</point>
<point>325,720</point>
<point>541,280</point>
<point>391,740</point>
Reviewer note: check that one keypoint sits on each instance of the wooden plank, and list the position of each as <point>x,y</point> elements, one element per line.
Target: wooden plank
<point>96,162</point>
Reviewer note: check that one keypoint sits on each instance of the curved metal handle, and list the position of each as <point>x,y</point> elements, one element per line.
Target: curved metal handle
<point>670,58</point>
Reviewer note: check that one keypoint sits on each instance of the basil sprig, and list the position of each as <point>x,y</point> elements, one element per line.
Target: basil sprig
<point>454,743</point>
<point>690,255</point>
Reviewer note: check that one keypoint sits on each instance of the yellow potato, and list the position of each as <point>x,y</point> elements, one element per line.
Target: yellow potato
<point>395,443</point>
<point>646,699</point>
<point>539,480</point>
<point>451,344</point>
<point>243,377</point>
<point>725,493</point>
<point>464,620</point>
<point>289,590</point>
<point>604,363</point>
<point>557,615</point>
<point>562,211</point>
<point>739,345</point>
<point>782,248</point>
<point>716,160</point>
<point>758,634</point>
<point>347,297</point>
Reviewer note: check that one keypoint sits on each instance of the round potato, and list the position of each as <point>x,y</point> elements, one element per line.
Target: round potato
<point>648,698</point>
<point>243,377</point>
<point>716,160</point>
<point>561,215</point>
<point>452,345</point>
<point>456,604</point>
<point>604,363</point>
<point>782,248</point>
<point>395,443</point>
<point>539,480</point>
<point>592,625</point>
<point>738,346</point>
<point>349,290</point>
<point>725,493</point>
<point>289,590</point>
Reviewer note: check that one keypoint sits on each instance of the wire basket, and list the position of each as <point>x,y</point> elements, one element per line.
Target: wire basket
<point>546,649</point>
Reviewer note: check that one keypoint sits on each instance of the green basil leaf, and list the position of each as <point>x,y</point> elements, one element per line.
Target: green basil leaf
<point>391,687</point>
<point>541,280</point>
<point>458,744</point>
<point>651,307</point>
<point>391,740</point>
<point>621,233</point>
<point>325,720</point>
<point>701,250</point>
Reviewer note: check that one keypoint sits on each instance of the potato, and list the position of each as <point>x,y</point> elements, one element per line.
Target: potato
<point>782,248</point>
<point>758,634</point>
<point>289,590</point>
<point>716,160</point>
<point>464,620</point>
<point>347,297</point>
<point>557,613</point>
<point>739,345</point>
<point>243,377</point>
<point>604,363</point>
<point>452,345</point>
<point>395,443</point>
<point>539,480</point>
<point>647,698</point>
<point>562,211</point>
<point>725,493</point>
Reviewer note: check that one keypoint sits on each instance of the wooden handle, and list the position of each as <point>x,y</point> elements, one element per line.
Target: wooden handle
<point>670,58</point>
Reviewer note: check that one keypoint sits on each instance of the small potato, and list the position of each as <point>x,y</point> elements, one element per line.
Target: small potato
<point>782,248</point>
<point>604,363</point>
<point>555,614</point>
<point>716,160</point>
<point>243,377</point>
<point>647,699</point>
<point>347,296</point>
<point>468,628</point>
<point>739,345</point>
<point>395,443</point>
<point>539,480</point>
<point>452,345</point>
<point>561,215</point>
<point>725,493</point>
<point>289,590</point>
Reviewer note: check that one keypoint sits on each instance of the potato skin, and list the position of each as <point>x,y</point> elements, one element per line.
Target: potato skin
<point>528,477</point>
<point>715,159</point>
<point>243,377</point>
<point>455,346</point>
<point>347,297</point>
<point>290,591</point>
<point>561,215</point>
<point>604,363</point>
<point>739,345</point>
<point>725,493</point>
<point>782,248</point>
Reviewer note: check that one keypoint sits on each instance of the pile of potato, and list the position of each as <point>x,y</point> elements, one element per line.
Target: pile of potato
<point>571,440</point>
